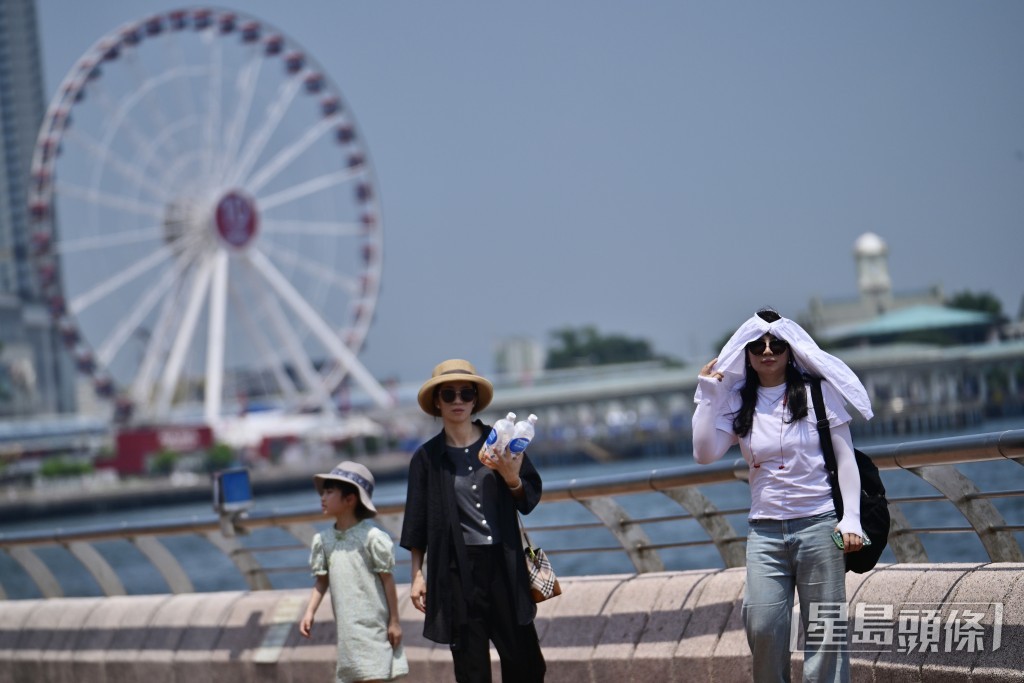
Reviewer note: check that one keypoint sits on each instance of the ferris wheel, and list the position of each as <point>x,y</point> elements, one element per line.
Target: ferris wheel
<point>206,219</point>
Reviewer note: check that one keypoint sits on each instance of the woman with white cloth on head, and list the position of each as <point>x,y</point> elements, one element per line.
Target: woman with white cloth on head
<point>754,394</point>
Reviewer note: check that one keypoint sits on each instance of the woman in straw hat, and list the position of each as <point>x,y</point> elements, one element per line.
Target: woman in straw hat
<point>464,512</point>
<point>754,394</point>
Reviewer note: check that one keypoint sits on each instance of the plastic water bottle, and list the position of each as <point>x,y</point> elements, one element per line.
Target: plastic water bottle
<point>501,434</point>
<point>522,435</point>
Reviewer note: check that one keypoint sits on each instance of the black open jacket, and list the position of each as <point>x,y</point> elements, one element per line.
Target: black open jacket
<point>432,524</point>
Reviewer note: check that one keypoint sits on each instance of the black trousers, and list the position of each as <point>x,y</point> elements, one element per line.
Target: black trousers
<point>492,617</point>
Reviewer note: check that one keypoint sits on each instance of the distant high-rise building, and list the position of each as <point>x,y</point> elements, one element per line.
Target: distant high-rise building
<point>36,374</point>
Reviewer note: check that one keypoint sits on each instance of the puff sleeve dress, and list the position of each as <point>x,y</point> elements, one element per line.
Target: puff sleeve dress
<point>352,559</point>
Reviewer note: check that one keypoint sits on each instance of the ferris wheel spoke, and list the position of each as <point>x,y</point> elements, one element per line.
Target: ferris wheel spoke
<point>274,113</point>
<point>150,153</point>
<point>245,85</point>
<point>117,239</point>
<point>125,169</point>
<point>177,56</point>
<point>112,201</point>
<point>173,174</point>
<point>293,345</point>
<point>118,111</point>
<point>288,155</point>
<point>213,99</point>
<point>115,114</point>
<point>264,346</point>
<point>153,107</point>
<point>120,334</point>
<point>156,348</point>
<point>309,267</point>
<point>172,370</point>
<point>312,186</point>
<point>111,284</point>
<point>320,328</point>
<point>216,337</point>
<point>270,226</point>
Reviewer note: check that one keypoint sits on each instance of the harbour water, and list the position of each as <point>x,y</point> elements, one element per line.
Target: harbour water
<point>210,570</point>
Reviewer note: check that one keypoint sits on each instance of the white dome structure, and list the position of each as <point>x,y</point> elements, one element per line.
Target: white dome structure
<point>872,257</point>
<point>870,244</point>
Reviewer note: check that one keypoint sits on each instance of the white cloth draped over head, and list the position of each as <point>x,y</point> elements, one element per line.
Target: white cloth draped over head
<point>807,354</point>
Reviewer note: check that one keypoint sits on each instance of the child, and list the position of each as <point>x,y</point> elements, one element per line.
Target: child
<point>355,559</point>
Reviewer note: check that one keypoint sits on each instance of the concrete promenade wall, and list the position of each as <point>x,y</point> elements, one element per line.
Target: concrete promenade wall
<point>673,626</point>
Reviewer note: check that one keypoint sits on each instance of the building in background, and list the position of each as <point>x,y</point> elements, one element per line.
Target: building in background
<point>36,375</point>
<point>876,298</point>
<point>519,360</point>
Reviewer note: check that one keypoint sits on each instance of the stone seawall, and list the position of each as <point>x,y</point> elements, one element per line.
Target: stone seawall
<point>673,626</point>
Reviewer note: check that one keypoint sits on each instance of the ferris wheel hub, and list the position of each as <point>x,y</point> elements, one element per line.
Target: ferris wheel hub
<point>236,219</point>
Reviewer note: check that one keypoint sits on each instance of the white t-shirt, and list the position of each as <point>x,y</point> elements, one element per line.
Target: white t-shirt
<point>787,470</point>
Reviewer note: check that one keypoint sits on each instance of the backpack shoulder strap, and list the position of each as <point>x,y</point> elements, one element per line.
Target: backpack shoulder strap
<point>824,432</point>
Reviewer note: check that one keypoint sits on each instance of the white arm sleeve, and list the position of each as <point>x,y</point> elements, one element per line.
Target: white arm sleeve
<point>709,442</point>
<point>849,480</point>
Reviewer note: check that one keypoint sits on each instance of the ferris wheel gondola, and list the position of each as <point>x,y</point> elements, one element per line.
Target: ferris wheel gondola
<point>205,217</point>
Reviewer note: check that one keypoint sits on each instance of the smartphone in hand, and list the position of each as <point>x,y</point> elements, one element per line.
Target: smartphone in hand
<point>838,538</point>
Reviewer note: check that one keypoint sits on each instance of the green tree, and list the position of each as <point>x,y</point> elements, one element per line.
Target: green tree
<point>164,462</point>
<point>985,302</point>
<point>218,457</point>
<point>585,347</point>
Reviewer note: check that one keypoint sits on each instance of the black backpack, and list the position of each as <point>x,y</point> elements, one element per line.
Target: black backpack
<point>874,508</point>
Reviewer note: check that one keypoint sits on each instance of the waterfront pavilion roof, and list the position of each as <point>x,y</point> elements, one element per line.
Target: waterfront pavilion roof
<point>912,319</point>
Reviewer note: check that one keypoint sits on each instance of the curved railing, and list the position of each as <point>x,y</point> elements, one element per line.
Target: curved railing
<point>259,555</point>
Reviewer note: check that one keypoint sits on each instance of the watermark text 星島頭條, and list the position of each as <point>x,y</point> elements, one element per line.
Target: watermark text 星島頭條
<point>906,628</point>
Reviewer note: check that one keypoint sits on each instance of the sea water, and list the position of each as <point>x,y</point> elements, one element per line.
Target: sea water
<point>574,551</point>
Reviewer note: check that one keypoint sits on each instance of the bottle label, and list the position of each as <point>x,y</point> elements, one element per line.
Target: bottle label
<point>492,437</point>
<point>518,445</point>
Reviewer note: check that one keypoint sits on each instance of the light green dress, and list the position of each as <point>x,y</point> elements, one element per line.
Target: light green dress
<point>352,559</point>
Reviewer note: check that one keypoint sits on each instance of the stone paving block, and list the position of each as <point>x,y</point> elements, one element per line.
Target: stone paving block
<point>670,614</point>
<point>130,617</point>
<point>36,632</point>
<point>60,650</point>
<point>12,616</point>
<point>90,648</point>
<point>1008,661</point>
<point>887,586</point>
<point>546,610</point>
<point>926,585</point>
<point>576,627</point>
<point>627,614</point>
<point>191,660</point>
<point>710,613</point>
<point>301,658</point>
<point>731,659</point>
<point>977,591</point>
<point>860,666</point>
<point>243,631</point>
<point>152,662</point>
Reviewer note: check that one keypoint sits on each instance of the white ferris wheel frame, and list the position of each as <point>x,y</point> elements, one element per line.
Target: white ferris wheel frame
<point>198,270</point>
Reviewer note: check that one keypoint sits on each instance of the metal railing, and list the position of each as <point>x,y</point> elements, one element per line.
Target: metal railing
<point>240,540</point>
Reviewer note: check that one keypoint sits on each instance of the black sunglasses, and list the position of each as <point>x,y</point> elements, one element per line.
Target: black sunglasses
<point>778,346</point>
<point>467,394</point>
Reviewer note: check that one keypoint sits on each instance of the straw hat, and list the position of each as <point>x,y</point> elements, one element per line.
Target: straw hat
<point>455,370</point>
<point>351,473</point>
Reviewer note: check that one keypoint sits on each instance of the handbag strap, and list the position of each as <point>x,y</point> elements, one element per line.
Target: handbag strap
<point>523,536</point>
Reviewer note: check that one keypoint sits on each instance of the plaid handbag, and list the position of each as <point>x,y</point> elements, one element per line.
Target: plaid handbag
<point>543,582</point>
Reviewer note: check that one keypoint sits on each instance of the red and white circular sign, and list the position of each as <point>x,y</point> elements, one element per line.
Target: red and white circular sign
<point>237,219</point>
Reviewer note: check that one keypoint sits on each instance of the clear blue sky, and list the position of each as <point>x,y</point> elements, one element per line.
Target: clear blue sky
<point>657,169</point>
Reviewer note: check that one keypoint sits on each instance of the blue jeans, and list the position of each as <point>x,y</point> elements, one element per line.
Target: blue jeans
<point>783,555</point>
